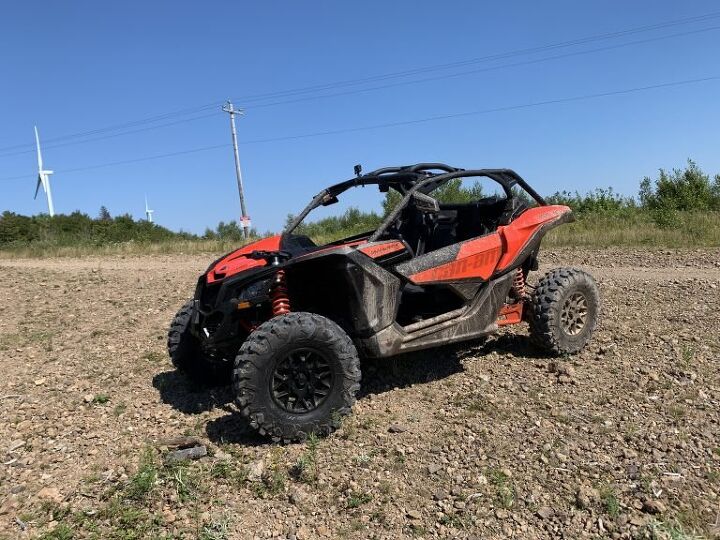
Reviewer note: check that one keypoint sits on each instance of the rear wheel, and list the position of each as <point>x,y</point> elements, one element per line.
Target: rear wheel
<point>186,354</point>
<point>564,310</point>
<point>296,374</point>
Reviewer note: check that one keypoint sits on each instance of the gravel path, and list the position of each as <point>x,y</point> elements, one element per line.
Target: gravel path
<point>622,440</point>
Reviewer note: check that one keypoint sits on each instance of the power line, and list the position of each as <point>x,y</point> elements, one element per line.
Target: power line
<point>115,127</point>
<point>388,76</point>
<point>483,70</point>
<point>398,123</point>
<point>483,111</point>
<point>128,161</point>
<point>374,88</point>
<point>139,130</point>
<point>497,56</point>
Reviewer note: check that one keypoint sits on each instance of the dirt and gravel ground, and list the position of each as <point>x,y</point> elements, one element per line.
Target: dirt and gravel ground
<point>621,441</point>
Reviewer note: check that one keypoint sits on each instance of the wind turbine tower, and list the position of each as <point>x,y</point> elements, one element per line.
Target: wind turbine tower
<point>148,212</point>
<point>43,177</point>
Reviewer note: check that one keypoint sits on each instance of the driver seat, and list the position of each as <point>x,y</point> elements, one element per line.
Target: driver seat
<point>416,228</point>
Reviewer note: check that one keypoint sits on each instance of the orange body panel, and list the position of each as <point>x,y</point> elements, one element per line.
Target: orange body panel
<point>510,314</point>
<point>379,250</point>
<point>237,262</point>
<point>476,259</point>
<point>516,235</point>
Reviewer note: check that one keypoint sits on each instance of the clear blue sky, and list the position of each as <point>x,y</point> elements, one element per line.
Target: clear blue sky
<point>73,67</point>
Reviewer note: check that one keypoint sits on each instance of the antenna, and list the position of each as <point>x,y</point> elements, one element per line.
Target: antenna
<point>148,212</point>
<point>43,177</point>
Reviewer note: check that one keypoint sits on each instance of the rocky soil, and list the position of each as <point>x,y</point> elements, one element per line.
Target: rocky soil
<point>496,441</point>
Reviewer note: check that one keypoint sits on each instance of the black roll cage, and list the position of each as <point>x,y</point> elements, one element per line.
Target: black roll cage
<point>410,179</point>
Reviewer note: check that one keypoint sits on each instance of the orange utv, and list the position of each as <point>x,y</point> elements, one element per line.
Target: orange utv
<point>287,321</point>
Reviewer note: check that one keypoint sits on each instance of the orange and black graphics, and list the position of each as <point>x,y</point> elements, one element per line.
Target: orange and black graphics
<point>476,259</point>
<point>483,257</point>
<point>376,251</point>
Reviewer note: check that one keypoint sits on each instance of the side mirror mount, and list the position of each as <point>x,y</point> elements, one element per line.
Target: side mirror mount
<point>329,199</point>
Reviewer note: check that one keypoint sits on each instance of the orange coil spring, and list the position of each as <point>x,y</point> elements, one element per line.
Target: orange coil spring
<point>280,299</point>
<point>519,284</point>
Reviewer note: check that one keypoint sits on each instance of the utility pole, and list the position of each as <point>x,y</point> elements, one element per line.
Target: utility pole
<point>244,218</point>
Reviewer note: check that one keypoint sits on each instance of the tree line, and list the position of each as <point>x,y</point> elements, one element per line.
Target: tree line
<point>665,200</point>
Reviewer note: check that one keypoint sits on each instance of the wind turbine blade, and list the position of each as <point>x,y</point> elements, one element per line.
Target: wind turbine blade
<point>37,142</point>
<point>37,188</point>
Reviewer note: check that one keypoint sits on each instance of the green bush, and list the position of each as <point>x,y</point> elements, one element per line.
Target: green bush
<point>677,192</point>
<point>684,203</point>
<point>78,228</point>
<point>452,192</point>
<point>600,201</point>
<point>228,232</point>
<point>352,221</point>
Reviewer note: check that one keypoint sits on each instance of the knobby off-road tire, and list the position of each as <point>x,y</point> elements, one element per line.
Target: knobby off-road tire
<point>186,355</point>
<point>284,367</point>
<point>564,311</point>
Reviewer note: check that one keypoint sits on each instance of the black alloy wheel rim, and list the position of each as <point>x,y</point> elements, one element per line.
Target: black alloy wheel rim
<point>302,381</point>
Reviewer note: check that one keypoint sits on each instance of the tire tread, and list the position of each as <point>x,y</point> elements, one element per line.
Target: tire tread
<point>262,345</point>
<point>550,290</point>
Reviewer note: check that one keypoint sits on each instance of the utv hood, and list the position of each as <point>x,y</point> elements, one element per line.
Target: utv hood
<point>238,260</point>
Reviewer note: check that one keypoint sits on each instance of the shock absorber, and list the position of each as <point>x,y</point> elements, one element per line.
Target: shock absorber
<point>279,295</point>
<point>518,285</point>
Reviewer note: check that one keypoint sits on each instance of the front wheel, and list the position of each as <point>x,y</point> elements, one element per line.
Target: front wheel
<point>295,375</point>
<point>186,354</point>
<point>564,311</point>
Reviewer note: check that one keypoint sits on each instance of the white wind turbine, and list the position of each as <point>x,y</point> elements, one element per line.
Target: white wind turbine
<point>148,212</point>
<point>43,177</point>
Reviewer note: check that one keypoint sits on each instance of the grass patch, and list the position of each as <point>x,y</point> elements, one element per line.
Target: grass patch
<point>456,521</point>
<point>358,498</point>
<point>215,530</point>
<point>227,470</point>
<point>305,468</point>
<point>221,469</point>
<point>61,532</point>
<point>128,511</point>
<point>671,530</point>
<point>610,501</point>
<point>504,490</point>
<point>274,478</point>
<point>100,399</point>
<point>143,481</point>
<point>677,412</point>
<point>354,526</point>
<point>686,357</point>
<point>695,229</point>
<point>187,247</point>
<point>119,409</point>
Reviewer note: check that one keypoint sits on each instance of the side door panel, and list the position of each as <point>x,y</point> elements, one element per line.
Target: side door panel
<point>473,260</point>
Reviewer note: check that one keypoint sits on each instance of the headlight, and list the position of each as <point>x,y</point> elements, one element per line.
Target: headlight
<point>255,291</point>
